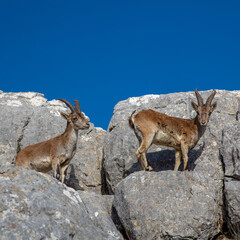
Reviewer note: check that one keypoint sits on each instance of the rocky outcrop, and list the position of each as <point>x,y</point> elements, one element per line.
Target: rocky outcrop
<point>168,205</point>
<point>121,143</point>
<point>36,206</point>
<point>162,204</point>
<point>28,118</point>
<point>174,205</point>
<point>205,164</point>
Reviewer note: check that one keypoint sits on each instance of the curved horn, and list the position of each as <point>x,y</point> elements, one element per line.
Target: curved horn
<point>77,106</point>
<point>210,98</point>
<point>199,98</point>
<point>69,104</point>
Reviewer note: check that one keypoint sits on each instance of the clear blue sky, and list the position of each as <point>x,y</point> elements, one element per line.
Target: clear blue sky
<point>102,52</point>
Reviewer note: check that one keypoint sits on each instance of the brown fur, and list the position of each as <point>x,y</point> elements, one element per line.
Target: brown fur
<point>152,127</point>
<point>55,153</point>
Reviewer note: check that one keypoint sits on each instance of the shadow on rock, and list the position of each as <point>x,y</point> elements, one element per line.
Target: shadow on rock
<point>165,160</point>
<point>72,181</point>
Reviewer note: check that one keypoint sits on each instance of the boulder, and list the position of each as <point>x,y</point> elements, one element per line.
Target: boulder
<point>230,150</point>
<point>16,112</point>
<point>232,206</point>
<point>205,166</point>
<point>98,210</point>
<point>169,205</point>
<point>35,206</point>
<point>231,162</point>
<point>85,170</point>
<point>28,118</point>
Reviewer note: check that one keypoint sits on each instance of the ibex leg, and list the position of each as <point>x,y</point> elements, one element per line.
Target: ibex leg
<point>178,155</point>
<point>184,149</point>
<point>56,169</point>
<point>63,172</point>
<point>142,150</point>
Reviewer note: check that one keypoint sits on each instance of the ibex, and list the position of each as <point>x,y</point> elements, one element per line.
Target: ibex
<point>55,153</point>
<point>153,127</point>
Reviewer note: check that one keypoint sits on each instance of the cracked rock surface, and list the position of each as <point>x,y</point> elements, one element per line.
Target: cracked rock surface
<point>36,206</point>
<point>181,206</point>
<point>230,153</point>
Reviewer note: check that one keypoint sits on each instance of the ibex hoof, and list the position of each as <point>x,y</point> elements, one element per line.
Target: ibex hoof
<point>149,168</point>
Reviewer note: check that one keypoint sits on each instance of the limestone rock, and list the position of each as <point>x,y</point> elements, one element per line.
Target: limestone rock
<point>16,111</point>
<point>232,204</point>
<point>230,150</point>
<point>98,211</point>
<point>162,204</point>
<point>36,206</point>
<point>231,161</point>
<point>168,205</point>
<point>85,170</point>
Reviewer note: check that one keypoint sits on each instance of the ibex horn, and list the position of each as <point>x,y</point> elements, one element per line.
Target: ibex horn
<point>199,98</point>
<point>69,104</point>
<point>77,106</point>
<point>210,98</point>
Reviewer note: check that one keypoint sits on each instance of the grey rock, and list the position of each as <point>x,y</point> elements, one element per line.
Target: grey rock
<point>231,161</point>
<point>16,109</point>
<point>204,162</point>
<point>232,205</point>
<point>121,143</point>
<point>98,210</point>
<point>108,199</point>
<point>28,118</point>
<point>35,206</point>
<point>230,150</point>
<point>169,205</point>
<point>85,170</point>
<point>147,205</point>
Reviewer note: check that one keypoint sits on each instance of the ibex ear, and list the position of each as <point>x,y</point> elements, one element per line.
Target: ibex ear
<point>194,105</point>
<point>213,106</point>
<point>64,115</point>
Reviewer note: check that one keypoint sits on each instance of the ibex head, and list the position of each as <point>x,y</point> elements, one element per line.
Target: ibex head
<point>76,117</point>
<point>204,110</point>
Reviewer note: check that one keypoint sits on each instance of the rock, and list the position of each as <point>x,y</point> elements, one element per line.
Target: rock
<point>120,144</point>
<point>16,109</point>
<point>36,206</point>
<point>28,118</point>
<point>162,204</point>
<point>85,170</point>
<point>98,211</point>
<point>169,205</point>
<point>232,206</point>
<point>230,150</point>
<point>231,161</point>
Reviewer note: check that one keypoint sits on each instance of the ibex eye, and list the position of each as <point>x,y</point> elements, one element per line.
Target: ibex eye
<point>75,119</point>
